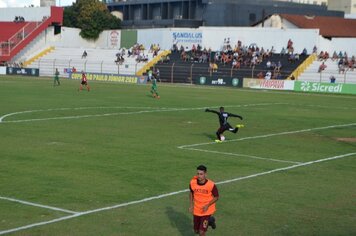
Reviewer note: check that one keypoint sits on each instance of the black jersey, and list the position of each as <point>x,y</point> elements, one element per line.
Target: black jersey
<point>223,116</point>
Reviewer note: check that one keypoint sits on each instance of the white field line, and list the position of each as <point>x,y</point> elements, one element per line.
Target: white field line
<point>243,155</point>
<point>38,205</point>
<point>116,113</point>
<point>270,135</point>
<point>171,194</point>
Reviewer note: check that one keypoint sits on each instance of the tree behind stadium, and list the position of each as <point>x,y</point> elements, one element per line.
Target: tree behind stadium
<point>91,16</point>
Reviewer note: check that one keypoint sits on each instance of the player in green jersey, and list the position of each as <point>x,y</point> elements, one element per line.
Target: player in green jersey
<point>154,91</point>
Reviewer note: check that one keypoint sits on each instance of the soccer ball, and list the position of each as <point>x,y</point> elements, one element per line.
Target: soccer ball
<point>222,137</point>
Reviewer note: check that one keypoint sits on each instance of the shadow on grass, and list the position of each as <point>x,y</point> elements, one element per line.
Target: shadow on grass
<point>211,136</point>
<point>181,221</point>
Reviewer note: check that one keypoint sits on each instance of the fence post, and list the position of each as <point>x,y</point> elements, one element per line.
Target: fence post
<point>191,74</point>
<point>252,72</point>
<point>232,68</point>
<point>172,72</point>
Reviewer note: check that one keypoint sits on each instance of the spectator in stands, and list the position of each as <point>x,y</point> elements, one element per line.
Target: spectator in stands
<point>315,49</point>
<point>335,57</point>
<point>260,75</point>
<point>85,54</point>
<point>322,67</point>
<point>268,75</point>
<point>279,66</point>
<point>304,52</point>
<point>73,69</point>
<point>341,55</point>
<point>332,79</point>
<point>283,51</point>
<point>268,64</point>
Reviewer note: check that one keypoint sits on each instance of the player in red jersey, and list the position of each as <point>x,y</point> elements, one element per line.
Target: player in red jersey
<point>84,81</point>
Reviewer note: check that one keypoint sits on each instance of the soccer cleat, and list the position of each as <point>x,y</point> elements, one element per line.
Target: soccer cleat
<point>240,126</point>
<point>218,141</point>
<point>212,222</point>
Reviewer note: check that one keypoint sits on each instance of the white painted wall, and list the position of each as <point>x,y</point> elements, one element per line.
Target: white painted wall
<point>166,37</point>
<point>263,37</point>
<point>70,38</point>
<point>344,44</point>
<point>29,13</point>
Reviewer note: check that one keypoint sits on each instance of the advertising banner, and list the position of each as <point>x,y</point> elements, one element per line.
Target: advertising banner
<point>219,81</point>
<point>127,79</point>
<point>2,70</point>
<point>305,86</point>
<point>22,71</point>
<point>268,84</point>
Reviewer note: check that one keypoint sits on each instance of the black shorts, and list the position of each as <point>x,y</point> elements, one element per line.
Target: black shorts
<point>223,128</point>
<point>84,83</point>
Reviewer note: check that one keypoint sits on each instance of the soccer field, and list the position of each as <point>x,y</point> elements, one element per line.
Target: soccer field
<point>115,161</point>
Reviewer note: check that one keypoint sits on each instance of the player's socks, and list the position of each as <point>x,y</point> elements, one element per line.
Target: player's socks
<point>212,222</point>
<point>218,141</point>
<point>240,126</point>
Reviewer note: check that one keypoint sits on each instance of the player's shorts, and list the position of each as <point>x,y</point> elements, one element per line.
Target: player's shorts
<point>84,82</point>
<point>201,223</point>
<point>223,128</point>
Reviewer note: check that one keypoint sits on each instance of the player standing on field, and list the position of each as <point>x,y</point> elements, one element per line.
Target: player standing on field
<point>56,78</point>
<point>203,195</point>
<point>154,91</point>
<point>84,81</point>
<point>224,125</point>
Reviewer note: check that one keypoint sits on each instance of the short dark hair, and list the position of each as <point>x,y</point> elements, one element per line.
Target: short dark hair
<point>202,167</point>
<point>221,108</point>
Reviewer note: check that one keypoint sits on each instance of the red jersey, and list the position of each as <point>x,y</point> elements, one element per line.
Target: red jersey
<point>84,78</point>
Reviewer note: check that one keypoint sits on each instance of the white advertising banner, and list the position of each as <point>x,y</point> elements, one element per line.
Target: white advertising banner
<point>268,84</point>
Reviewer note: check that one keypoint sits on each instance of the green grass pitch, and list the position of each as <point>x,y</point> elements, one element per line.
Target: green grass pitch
<point>84,151</point>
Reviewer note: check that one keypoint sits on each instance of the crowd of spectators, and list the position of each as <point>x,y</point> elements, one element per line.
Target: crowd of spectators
<point>239,55</point>
<point>19,19</point>
<point>344,62</point>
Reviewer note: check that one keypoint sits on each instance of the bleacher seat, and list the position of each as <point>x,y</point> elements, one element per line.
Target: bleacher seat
<point>184,72</point>
<point>97,61</point>
<point>311,73</point>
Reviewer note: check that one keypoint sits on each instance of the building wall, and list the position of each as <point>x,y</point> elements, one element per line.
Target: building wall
<point>347,6</point>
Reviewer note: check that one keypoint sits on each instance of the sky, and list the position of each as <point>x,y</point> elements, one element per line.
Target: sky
<point>36,3</point>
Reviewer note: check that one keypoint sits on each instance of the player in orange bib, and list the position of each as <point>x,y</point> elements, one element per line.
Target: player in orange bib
<point>203,195</point>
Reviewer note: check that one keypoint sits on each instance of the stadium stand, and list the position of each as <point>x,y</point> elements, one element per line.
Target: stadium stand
<point>332,70</point>
<point>96,61</point>
<point>15,36</point>
<point>178,71</point>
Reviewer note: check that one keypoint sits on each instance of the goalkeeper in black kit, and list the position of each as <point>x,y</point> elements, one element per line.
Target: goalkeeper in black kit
<point>224,125</point>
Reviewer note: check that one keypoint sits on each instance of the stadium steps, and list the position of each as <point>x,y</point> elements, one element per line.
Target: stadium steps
<point>311,74</point>
<point>97,61</point>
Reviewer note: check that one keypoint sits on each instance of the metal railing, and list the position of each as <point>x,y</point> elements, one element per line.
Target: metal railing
<point>7,47</point>
<point>48,67</point>
<point>187,73</point>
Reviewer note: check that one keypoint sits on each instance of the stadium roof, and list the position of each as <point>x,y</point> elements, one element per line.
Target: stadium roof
<point>328,26</point>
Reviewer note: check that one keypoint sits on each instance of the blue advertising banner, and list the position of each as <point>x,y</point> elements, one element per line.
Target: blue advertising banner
<point>22,71</point>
